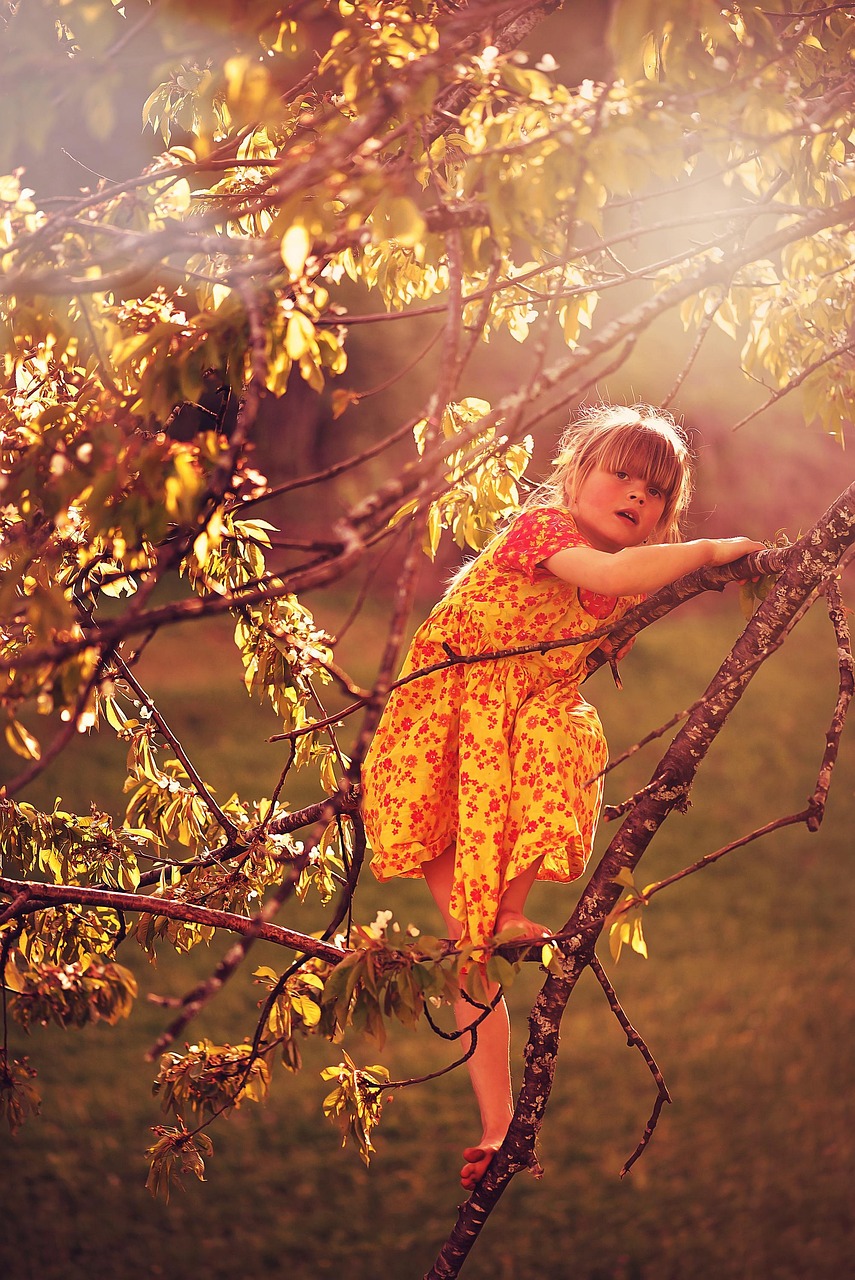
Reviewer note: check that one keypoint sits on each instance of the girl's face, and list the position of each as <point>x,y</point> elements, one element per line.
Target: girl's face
<point>615,510</point>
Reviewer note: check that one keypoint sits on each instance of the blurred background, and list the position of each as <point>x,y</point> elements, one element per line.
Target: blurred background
<point>747,998</point>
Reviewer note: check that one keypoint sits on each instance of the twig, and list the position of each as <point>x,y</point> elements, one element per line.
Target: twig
<point>813,814</point>
<point>362,594</point>
<point>634,1040</point>
<point>778,824</point>
<point>703,329</point>
<point>277,791</point>
<point>794,382</point>
<point>637,746</point>
<point>229,828</point>
<point>471,1029</point>
<point>16,906</point>
<point>337,468</point>
<point>615,811</point>
<point>612,811</point>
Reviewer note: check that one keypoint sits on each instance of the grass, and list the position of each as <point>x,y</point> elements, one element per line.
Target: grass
<point>747,1003</point>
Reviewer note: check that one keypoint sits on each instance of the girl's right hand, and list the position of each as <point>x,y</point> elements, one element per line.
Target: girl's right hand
<point>724,550</point>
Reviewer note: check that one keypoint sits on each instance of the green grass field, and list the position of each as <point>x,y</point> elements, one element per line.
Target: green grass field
<point>747,1001</point>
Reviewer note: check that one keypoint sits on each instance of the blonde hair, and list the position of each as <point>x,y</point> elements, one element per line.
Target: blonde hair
<point>639,439</point>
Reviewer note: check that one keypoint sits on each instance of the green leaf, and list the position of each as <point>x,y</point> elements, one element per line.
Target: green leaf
<point>501,970</point>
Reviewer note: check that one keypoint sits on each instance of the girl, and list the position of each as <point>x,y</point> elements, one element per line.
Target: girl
<point>477,778</point>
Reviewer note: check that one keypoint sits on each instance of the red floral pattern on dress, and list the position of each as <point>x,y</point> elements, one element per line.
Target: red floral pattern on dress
<point>495,757</point>
<point>537,535</point>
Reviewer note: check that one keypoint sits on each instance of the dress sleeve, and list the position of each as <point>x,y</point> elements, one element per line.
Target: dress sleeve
<point>534,537</point>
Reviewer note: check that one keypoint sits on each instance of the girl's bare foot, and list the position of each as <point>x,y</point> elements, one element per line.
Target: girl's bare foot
<point>478,1161</point>
<point>525,927</point>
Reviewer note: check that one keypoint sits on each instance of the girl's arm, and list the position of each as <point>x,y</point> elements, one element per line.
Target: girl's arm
<point>641,570</point>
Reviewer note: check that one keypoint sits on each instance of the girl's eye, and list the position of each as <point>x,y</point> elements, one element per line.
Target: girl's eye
<point>622,475</point>
<point>654,492</point>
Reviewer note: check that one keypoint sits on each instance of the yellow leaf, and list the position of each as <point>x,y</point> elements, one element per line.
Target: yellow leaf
<point>114,714</point>
<point>299,336</point>
<point>434,531</point>
<point>295,247</point>
<point>22,741</point>
<point>650,56</point>
<point>307,1010</point>
<point>174,199</point>
<point>637,938</point>
<point>13,979</point>
<point>342,399</point>
<point>129,877</point>
<point>328,778</point>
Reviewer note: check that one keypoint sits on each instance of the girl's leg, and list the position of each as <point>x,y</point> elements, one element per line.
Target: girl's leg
<point>489,1066</point>
<point>511,908</point>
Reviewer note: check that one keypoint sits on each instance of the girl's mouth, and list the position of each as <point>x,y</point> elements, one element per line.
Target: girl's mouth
<point>628,515</point>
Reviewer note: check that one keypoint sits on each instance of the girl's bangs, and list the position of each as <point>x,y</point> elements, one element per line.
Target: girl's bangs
<point>644,452</point>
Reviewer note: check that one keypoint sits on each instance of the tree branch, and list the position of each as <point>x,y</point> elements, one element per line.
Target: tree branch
<point>41,895</point>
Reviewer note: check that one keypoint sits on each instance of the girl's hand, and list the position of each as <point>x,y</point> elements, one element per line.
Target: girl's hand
<point>725,550</point>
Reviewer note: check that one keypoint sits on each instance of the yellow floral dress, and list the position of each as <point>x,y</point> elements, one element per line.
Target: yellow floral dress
<point>494,757</point>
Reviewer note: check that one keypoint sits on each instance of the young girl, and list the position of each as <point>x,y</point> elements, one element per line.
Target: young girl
<point>478,775</point>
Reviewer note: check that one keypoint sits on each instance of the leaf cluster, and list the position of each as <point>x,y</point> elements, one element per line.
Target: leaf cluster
<point>209,1079</point>
<point>355,1104</point>
<point>19,1097</point>
<point>482,477</point>
<point>388,974</point>
<point>71,995</point>
<point>625,921</point>
<point>174,1153</point>
<point>70,848</point>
